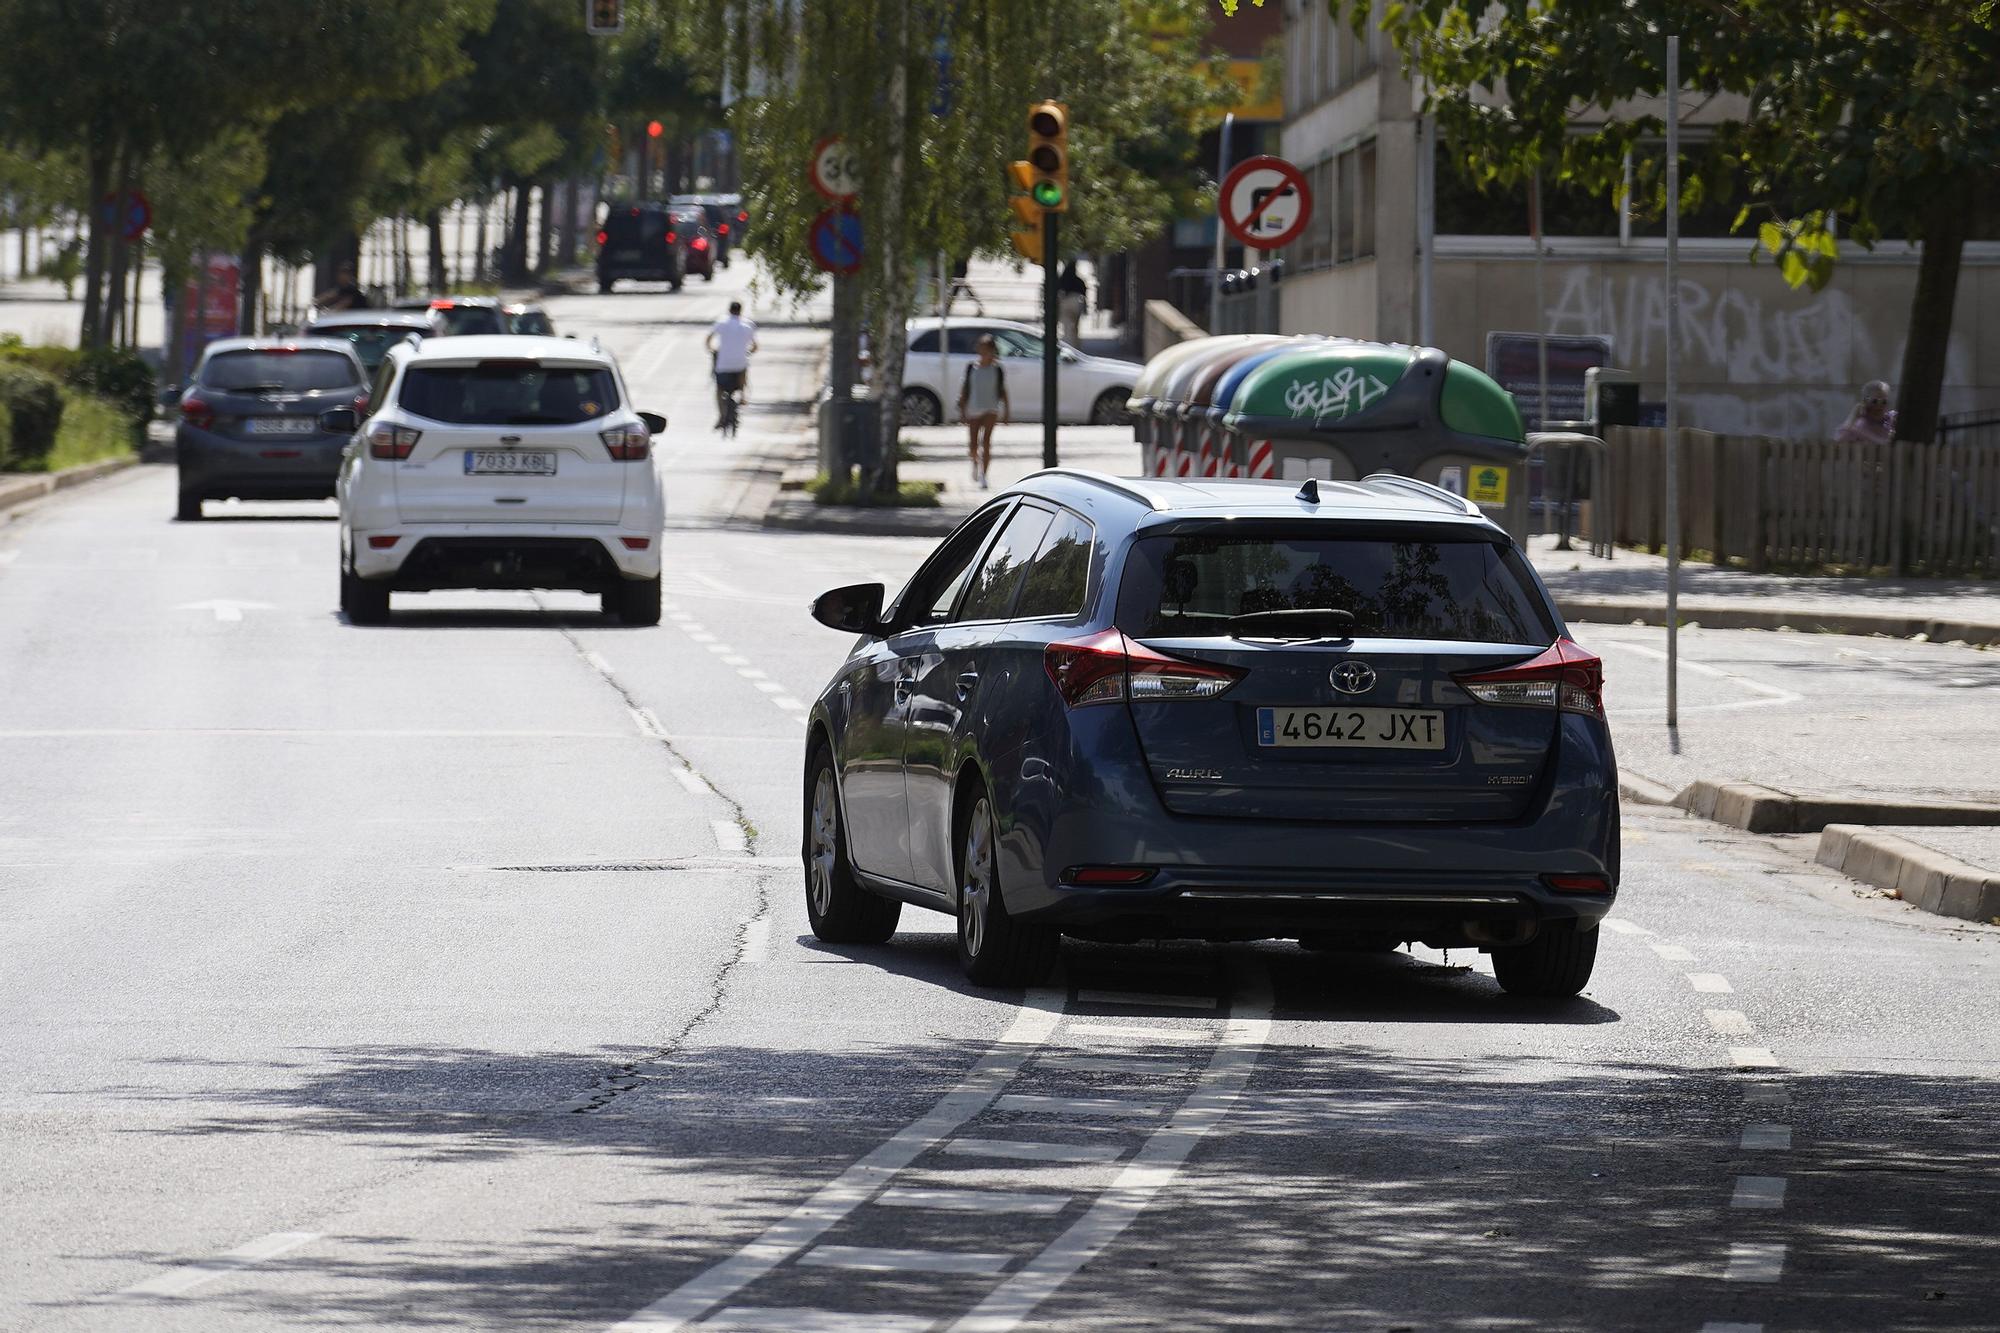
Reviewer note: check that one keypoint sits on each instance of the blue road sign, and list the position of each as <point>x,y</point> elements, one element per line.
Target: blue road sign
<point>836,240</point>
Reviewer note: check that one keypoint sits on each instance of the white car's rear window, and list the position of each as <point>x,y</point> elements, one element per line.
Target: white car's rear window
<point>509,393</point>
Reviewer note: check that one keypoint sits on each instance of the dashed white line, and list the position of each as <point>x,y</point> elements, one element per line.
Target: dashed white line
<point>1150,998</point>
<point>769,686</point>
<point>729,835</point>
<point>1766,1192</point>
<point>186,1279</point>
<point>1729,1022</point>
<point>720,649</point>
<point>973,1201</point>
<point>1084,1107</point>
<point>757,939</point>
<point>1710,983</point>
<point>789,704</point>
<point>752,673</point>
<point>1766,1092</point>
<point>745,1319</point>
<point>691,780</point>
<point>1016,1150</point>
<point>1752,1057</point>
<point>1673,953</point>
<point>867,1259</point>
<point>735,660</point>
<point>1134,1066</point>
<point>1131,1031</point>
<point>1762,1137</point>
<point>1755,1262</point>
<point>1714,1327</point>
<point>597,663</point>
<point>648,723</point>
<point>701,636</point>
<point>1623,927</point>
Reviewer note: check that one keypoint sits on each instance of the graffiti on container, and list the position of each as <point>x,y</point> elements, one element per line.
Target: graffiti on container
<point>1338,395</point>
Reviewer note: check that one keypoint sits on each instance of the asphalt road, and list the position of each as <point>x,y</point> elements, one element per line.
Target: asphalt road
<point>454,974</point>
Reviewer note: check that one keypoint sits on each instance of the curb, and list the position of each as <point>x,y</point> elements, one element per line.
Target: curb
<point>1718,615</point>
<point>1644,791</point>
<point>1920,876</point>
<point>20,490</point>
<point>1758,809</point>
<point>807,515</point>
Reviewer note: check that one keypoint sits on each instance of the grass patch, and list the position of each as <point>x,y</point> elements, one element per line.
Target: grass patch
<point>92,430</point>
<point>841,491</point>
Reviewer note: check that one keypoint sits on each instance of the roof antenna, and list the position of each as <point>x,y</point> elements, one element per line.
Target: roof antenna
<point>1310,491</point>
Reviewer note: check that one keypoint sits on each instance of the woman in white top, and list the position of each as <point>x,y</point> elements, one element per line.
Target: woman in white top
<point>982,400</point>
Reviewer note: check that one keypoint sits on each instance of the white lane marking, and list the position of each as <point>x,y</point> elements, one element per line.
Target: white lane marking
<point>1673,953</point>
<point>1623,927</point>
<point>1084,1107</point>
<point>648,723</point>
<point>1752,1057</point>
<point>1729,1022</point>
<point>680,617</point>
<point>701,636</point>
<point>1710,983</point>
<point>1765,1092</point>
<point>748,1319</point>
<point>757,939</point>
<point>1134,1032</point>
<point>769,686</point>
<point>1152,998</point>
<point>973,1201</point>
<point>729,835</point>
<point>735,660</point>
<point>1137,1066</point>
<point>597,663</point>
<point>1755,1262</point>
<point>752,673</point>
<point>789,704</point>
<point>867,1259</point>
<point>183,1280</point>
<point>714,584</point>
<point>1772,694</point>
<point>1758,1192</point>
<point>1714,1326</point>
<point>859,1183</point>
<point>720,649</point>
<point>652,357</point>
<point>1150,1171</point>
<point>223,608</point>
<point>1772,1137</point>
<point>691,780</point>
<point>1016,1150</point>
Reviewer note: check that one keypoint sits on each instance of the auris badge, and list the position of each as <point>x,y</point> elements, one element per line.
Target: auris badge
<point>1352,677</point>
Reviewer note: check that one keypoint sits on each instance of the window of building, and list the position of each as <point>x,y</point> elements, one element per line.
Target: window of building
<point>1347,204</point>
<point>1364,201</point>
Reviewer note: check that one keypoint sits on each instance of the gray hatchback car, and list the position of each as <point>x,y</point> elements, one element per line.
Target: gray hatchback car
<point>1346,713</point>
<point>266,419</point>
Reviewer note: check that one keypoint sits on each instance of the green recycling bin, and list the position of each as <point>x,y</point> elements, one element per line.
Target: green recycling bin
<point>1341,408</point>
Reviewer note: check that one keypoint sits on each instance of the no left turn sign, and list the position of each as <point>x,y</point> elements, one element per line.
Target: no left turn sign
<point>1265,202</point>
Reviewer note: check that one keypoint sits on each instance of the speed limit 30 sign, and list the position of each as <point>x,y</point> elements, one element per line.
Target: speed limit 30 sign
<point>1265,202</point>
<point>836,169</point>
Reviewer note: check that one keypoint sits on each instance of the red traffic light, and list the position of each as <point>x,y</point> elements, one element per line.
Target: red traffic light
<point>654,129</point>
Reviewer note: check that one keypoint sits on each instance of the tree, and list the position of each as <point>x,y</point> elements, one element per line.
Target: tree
<point>1881,114</point>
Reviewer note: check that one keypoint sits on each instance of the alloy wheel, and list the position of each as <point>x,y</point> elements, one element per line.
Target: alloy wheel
<point>825,842</point>
<point>975,894</point>
<point>920,409</point>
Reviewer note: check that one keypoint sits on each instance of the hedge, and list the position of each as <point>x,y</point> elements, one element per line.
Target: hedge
<point>34,402</point>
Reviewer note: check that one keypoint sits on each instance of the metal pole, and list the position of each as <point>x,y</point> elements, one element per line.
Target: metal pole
<point>1215,271</point>
<point>1541,305</point>
<point>1051,299</point>
<point>1426,223</point>
<point>944,332</point>
<point>1673,443</point>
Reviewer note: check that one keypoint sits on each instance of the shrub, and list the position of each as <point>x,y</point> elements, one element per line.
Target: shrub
<point>34,400</point>
<point>93,429</point>
<point>120,377</point>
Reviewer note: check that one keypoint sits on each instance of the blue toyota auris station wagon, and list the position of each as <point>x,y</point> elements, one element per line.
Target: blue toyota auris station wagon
<point>1346,713</point>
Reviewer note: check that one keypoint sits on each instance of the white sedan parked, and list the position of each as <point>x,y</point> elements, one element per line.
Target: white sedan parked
<point>1089,389</point>
<point>501,462</point>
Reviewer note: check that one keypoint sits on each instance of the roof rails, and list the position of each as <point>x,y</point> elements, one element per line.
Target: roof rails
<point>1120,484</point>
<point>1396,481</point>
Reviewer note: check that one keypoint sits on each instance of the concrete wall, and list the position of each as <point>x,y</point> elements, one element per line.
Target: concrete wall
<point>1756,357</point>
<point>1338,300</point>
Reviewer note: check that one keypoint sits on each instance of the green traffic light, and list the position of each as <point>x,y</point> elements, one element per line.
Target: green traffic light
<point>1048,194</point>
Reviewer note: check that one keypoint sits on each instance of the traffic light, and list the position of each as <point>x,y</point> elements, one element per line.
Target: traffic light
<point>1048,156</point>
<point>604,18</point>
<point>1028,236</point>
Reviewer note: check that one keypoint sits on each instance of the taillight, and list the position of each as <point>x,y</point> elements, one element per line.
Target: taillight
<point>603,236</point>
<point>698,243</point>
<point>636,543</point>
<point>197,413</point>
<point>1108,874</point>
<point>722,228</point>
<point>387,441</point>
<point>742,217</point>
<point>381,542</point>
<point>672,236</point>
<point>1564,677</point>
<point>1108,667</point>
<point>1577,883</point>
<point>628,444</point>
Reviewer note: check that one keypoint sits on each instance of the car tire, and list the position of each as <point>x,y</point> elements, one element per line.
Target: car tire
<point>838,908</point>
<point>604,286</point>
<point>1109,409</point>
<point>635,601</point>
<point>994,949</point>
<point>676,284</point>
<point>1555,964</point>
<point>709,275</point>
<point>364,601</point>
<point>188,509</point>
<point>922,408</point>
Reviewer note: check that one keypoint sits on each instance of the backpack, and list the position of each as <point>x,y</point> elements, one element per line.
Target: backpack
<point>999,385</point>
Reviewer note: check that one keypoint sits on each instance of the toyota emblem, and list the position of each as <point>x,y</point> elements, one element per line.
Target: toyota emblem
<point>1352,677</point>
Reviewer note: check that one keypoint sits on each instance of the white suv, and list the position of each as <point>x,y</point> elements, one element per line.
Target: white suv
<point>501,462</point>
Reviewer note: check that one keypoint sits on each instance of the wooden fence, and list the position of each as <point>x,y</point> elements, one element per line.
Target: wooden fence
<point>1793,504</point>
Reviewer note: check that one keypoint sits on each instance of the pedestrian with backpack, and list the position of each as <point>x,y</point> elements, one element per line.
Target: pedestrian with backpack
<point>982,400</point>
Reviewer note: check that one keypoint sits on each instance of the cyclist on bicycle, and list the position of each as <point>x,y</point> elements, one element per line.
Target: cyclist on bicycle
<point>731,342</point>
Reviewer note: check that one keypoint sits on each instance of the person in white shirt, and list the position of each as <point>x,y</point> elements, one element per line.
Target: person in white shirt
<point>732,341</point>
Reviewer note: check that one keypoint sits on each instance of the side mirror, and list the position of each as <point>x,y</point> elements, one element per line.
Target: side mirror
<point>855,609</point>
<point>655,423</point>
<point>340,421</point>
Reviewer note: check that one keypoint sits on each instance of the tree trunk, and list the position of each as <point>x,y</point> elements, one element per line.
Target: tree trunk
<point>93,254</point>
<point>514,260</point>
<point>894,295</point>
<point>479,245</point>
<point>252,281</point>
<point>434,231</point>
<point>1929,339</point>
<point>545,229</point>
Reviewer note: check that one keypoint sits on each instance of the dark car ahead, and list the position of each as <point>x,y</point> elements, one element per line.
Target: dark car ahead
<point>721,219</point>
<point>266,419</point>
<point>1346,714</point>
<point>371,333</point>
<point>690,224</point>
<point>466,316</point>
<point>639,241</point>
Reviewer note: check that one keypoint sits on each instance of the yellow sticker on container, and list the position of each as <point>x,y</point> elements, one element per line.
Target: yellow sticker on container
<point>1489,486</point>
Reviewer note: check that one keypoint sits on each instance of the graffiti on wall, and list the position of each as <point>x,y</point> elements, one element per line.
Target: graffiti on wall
<point>1343,394</point>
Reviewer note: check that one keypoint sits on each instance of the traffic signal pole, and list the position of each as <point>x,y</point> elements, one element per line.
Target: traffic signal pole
<point>1051,307</point>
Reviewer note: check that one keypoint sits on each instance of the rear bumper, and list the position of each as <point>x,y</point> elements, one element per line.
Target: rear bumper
<point>276,469</point>
<point>428,559</point>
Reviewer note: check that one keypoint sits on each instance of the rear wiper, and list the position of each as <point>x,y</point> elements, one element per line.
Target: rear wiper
<point>534,419</point>
<point>256,388</point>
<point>1298,623</point>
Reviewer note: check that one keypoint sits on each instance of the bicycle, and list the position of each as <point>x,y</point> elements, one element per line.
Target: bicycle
<point>728,384</point>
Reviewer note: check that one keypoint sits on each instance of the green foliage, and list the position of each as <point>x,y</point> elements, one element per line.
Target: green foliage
<point>120,377</point>
<point>34,403</point>
<point>92,431</point>
<point>843,491</point>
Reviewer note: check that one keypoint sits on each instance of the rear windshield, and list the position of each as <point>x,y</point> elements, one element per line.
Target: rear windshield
<point>370,342</point>
<point>460,319</point>
<point>625,226</point>
<point>279,372</point>
<point>530,321</point>
<point>1426,588</point>
<point>509,393</point>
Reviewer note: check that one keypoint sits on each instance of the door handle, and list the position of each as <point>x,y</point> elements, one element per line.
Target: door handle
<point>966,681</point>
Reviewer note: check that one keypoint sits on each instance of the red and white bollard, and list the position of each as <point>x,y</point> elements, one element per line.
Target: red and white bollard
<point>1263,463</point>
